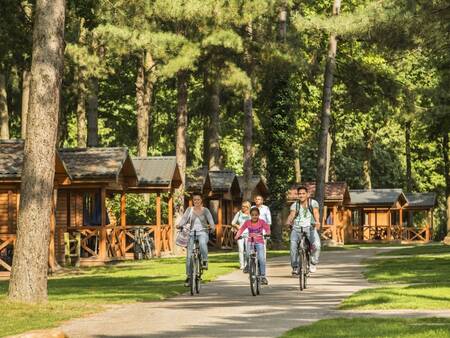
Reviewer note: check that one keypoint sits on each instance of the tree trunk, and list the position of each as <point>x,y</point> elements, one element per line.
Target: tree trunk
<point>297,167</point>
<point>367,159</point>
<point>248,122</point>
<point>26,82</point>
<point>182,122</point>
<point>282,23</point>
<point>214,132</point>
<point>409,185</point>
<point>144,91</point>
<point>326,115</point>
<point>4,115</point>
<point>29,272</point>
<point>447,177</point>
<point>92,102</point>
<point>82,132</point>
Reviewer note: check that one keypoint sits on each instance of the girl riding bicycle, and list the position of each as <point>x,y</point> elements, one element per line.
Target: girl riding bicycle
<point>256,228</point>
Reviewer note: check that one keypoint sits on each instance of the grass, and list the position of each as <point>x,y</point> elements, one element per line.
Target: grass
<point>374,327</point>
<point>88,290</point>
<point>424,269</point>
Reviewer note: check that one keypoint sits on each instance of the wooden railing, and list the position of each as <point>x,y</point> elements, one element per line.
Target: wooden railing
<point>163,238</point>
<point>390,233</point>
<point>7,242</point>
<point>332,232</point>
<point>227,240</point>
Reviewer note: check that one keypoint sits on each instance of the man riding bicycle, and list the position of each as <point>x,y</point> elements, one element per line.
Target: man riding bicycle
<point>304,215</point>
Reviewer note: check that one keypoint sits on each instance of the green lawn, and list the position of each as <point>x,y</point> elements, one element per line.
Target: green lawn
<point>89,290</point>
<point>374,327</point>
<point>424,269</point>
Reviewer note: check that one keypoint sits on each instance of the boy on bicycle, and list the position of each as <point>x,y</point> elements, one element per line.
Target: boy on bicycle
<point>304,216</point>
<point>256,229</point>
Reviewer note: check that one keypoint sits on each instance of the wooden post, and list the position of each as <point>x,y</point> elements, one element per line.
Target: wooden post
<point>427,230</point>
<point>102,249</point>
<point>10,212</point>
<point>123,222</point>
<point>400,221</point>
<point>219,231</point>
<point>170,222</point>
<point>334,225</point>
<point>158,225</point>
<point>389,230</point>
<point>51,250</point>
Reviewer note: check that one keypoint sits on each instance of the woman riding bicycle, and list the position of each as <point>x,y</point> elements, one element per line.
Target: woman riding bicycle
<point>198,217</point>
<point>238,220</point>
<point>256,227</point>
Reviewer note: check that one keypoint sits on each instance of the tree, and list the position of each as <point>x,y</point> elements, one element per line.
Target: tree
<point>4,116</point>
<point>29,271</point>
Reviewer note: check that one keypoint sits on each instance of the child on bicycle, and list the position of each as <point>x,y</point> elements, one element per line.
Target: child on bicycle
<point>256,227</point>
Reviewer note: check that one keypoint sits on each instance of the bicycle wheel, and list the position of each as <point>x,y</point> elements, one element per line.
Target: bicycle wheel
<point>198,275</point>
<point>305,268</point>
<point>252,276</point>
<point>258,281</point>
<point>192,275</point>
<point>301,269</point>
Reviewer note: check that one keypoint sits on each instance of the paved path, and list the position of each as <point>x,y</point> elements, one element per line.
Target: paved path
<point>225,307</point>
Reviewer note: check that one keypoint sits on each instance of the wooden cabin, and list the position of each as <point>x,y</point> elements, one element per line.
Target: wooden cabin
<point>156,175</point>
<point>376,215</point>
<point>11,163</point>
<point>258,186</point>
<point>82,207</point>
<point>419,212</point>
<point>336,216</point>
<point>221,193</point>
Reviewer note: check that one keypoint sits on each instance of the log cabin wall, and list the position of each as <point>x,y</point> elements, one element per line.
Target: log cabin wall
<point>8,211</point>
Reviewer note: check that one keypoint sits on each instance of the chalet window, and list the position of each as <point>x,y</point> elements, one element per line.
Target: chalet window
<point>92,209</point>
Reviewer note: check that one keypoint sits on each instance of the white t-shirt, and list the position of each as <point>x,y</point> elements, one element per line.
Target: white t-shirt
<point>304,217</point>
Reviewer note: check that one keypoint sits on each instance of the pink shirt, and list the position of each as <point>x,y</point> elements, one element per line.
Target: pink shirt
<point>255,230</point>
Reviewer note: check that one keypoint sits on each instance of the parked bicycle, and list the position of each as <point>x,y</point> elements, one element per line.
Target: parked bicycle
<point>254,273</point>
<point>196,264</point>
<point>303,252</point>
<point>143,244</point>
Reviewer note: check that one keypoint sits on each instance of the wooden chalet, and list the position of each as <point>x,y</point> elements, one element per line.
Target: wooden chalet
<point>157,175</point>
<point>419,212</point>
<point>82,207</point>
<point>376,215</point>
<point>222,193</point>
<point>337,217</point>
<point>11,163</point>
<point>258,186</point>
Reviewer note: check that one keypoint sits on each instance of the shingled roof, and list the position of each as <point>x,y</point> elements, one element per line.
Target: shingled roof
<point>195,181</point>
<point>159,171</point>
<point>11,160</point>
<point>257,184</point>
<point>377,197</point>
<point>97,163</point>
<point>334,191</point>
<point>421,200</point>
<point>223,181</point>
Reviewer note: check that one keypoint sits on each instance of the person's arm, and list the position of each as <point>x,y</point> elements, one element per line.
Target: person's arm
<point>290,218</point>
<point>184,218</point>
<point>210,219</point>
<point>266,228</point>
<point>241,229</point>
<point>269,216</point>
<point>234,222</point>
<point>316,217</point>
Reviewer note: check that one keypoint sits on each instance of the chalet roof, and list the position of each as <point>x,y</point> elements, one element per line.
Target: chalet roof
<point>334,191</point>
<point>376,196</point>
<point>421,200</point>
<point>157,171</point>
<point>223,180</point>
<point>195,180</point>
<point>97,163</point>
<point>11,160</point>
<point>256,183</point>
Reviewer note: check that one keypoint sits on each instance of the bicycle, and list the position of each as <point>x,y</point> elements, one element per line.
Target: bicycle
<point>196,264</point>
<point>303,254</point>
<point>143,244</point>
<point>253,266</point>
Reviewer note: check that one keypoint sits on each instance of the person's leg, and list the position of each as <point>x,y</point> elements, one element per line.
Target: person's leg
<point>315,241</point>
<point>294,247</point>
<point>189,254</point>
<point>240,243</point>
<point>261,258</point>
<point>203,239</point>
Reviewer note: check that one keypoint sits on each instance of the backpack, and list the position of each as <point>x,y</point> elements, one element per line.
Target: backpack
<point>308,203</point>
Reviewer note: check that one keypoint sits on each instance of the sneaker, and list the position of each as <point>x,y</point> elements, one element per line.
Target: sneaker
<point>264,281</point>
<point>186,282</point>
<point>295,272</point>
<point>313,268</point>
<point>245,270</point>
<point>205,265</point>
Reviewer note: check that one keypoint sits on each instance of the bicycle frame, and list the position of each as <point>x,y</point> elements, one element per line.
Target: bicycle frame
<point>196,267</point>
<point>253,266</point>
<point>303,253</point>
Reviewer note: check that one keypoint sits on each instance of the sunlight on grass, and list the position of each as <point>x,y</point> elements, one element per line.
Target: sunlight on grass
<point>87,290</point>
<point>374,327</point>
